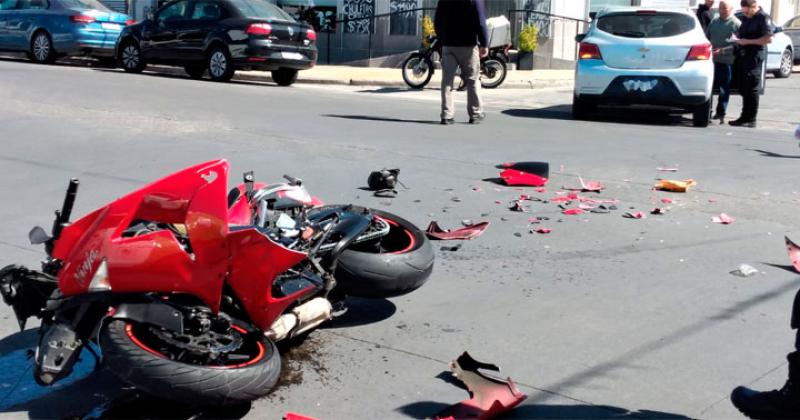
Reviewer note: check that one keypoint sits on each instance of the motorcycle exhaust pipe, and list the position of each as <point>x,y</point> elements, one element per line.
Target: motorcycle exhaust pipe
<point>301,319</point>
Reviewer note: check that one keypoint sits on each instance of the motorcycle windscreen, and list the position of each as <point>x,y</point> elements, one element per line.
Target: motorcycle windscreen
<point>153,260</point>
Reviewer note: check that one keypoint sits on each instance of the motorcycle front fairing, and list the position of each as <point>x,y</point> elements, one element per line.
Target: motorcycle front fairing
<point>155,261</point>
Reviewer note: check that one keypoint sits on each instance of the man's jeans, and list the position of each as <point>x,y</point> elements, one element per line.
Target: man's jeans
<point>722,81</point>
<point>469,60</point>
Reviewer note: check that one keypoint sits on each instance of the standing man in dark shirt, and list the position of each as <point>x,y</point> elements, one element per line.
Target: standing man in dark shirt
<point>754,34</point>
<point>704,13</point>
<point>461,27</point>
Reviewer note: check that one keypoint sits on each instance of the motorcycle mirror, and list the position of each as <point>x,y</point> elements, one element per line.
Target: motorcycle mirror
<point>38,236</point>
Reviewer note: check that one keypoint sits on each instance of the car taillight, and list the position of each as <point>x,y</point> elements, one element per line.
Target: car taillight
<point>82,18</point>
<point>311,35</point>
<point>589,52</point>
<point>699,53</point>
<point>259,29</point>
<point>130,22</point>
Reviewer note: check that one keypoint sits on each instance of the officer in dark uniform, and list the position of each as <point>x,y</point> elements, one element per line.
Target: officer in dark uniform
<point>753,36</point>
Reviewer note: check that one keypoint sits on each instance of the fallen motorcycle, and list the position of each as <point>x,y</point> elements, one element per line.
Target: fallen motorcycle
<point>187,289</point>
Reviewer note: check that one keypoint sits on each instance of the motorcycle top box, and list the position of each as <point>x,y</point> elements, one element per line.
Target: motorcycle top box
<point>186,286</point>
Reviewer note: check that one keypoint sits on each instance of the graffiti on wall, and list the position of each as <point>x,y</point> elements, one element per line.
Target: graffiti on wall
<point>354,9</point>
<point>403,21</point>
<point>539,16</point>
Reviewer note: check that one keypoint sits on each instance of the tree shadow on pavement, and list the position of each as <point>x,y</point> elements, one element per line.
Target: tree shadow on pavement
<point>605,115</point>
<point>766,153</point>
<point>384,119</point>
<point>428,409</point>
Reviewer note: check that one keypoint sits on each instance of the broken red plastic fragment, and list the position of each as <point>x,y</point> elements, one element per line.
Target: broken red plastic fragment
<point>591,186</point>
<point>477,188</point>
<point>534,220</point>
<point>573,211</point>
<point>515,177</point>
<point>585,207</point>
<point>543,230</point>
<point>489,397</point>
<point>295,416</point>
<point>723,218</point>
<point>541,189</point>
<point>634,215</point>
<point>467,232</point>
<point>666,200</point>
<point>794,253</point>
<point>517,206</point>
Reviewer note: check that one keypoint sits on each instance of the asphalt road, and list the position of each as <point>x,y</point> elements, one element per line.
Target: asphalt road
<point>605,317</point>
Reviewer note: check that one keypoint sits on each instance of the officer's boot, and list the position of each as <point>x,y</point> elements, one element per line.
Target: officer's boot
<point>781,403</point>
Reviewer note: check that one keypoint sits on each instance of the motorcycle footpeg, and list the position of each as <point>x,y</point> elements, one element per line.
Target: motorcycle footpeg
<point>59,348</point>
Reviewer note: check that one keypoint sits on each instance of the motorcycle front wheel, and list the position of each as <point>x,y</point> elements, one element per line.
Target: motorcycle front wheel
<point>417,71</point>
<point>493,73</point>
<point>157,362</point>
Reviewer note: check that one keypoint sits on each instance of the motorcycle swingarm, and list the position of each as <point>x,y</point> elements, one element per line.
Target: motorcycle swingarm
<point>26,291</point>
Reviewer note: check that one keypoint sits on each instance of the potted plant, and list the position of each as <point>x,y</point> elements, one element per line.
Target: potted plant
<point>528,41</point>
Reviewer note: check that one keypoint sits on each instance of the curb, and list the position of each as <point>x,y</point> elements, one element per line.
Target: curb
<point>264,77</point>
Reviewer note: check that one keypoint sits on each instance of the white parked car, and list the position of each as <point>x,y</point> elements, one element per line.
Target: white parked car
<point>635,56</point>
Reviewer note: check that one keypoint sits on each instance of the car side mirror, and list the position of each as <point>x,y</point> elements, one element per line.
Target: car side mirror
<point>580,37</point>
<point>592,15</point>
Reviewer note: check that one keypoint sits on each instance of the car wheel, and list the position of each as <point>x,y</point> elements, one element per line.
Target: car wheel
<point>130,57</point>
<point>786,64</point>
<point>195,71</point>
<point>702,115</point>
<point>42,51</point>
<point>581,108</point>
<point>284,77</point>
<point>220,67</point>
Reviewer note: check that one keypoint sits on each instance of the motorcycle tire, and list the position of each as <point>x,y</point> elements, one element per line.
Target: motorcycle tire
<point>493,74</point>
<point>410,71</point>
<point>393,265</point>
<point>139,364</point>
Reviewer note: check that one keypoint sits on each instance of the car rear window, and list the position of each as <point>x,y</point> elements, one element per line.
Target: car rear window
<point>261,9</point>
<point>650,25</point>
<point>85,4</point>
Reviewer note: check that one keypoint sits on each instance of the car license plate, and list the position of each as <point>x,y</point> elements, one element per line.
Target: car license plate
<point>291,55</point>
<point>640,85</point>
<point>111,26</point>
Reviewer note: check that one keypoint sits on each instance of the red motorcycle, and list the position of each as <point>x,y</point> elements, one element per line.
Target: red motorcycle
<point>186,292</point>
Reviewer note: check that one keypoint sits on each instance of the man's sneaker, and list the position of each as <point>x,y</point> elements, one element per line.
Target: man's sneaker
<point>741,123</point>
<point>447,121</point>
<point>718,116</point>
<point>776,404</point>
<point>477,119</point>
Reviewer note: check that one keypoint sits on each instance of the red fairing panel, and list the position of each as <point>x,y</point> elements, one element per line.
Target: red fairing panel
<point>155,262</point>
<point>256,261</point>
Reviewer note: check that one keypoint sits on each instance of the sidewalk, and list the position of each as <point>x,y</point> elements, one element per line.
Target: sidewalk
<point>374,76</point>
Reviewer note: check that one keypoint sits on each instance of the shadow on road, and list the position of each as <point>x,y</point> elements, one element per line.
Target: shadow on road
<point>363,312</point>
<point>428,409</point>
<point>766,153</point>
<point>605,115</point>
<point>388,89</point>
<point>178,75</point>
<point>384,119</point>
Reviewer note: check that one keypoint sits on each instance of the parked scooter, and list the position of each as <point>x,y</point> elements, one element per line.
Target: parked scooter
<point>418,68</point>
<point>186,292</point>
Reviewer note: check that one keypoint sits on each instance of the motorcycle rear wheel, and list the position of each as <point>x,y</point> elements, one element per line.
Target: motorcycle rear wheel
<point>392,265</point>
<point>493,74</point>
<point>142,360</point>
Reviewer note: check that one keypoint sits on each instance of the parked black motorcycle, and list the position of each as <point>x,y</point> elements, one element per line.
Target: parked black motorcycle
<point>418,68</point>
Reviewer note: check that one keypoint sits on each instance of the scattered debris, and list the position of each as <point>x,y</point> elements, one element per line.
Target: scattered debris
<point>542,230</point>
<point>455,199</point>
<point>468,232</point>
<point>712,200</point>
<point>489,397</point>
<point>744,270</point>
<point>666,200</point>
<point>591,186</point>
<point>295,416</point>
<point>517,234</point>
<point>675,185</point>
<point>498,202</point>
<point>453,248</point>
<point>723,219</point>
<point>541,190</point>
<point>477,188</point>
<point>515,177</point>
<point>383,182</point>
<point>466,222</point>
<point>573,211</point>
<point>504,219</point>
<point>634,215</point>
<point>794,253</point>
<point>517,206</point>
<point>668,169</point>
<point>658,210</point>
<point>600,210</point>
<point>585,206</point>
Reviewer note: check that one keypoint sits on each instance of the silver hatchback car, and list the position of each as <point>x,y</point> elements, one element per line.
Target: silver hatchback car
<point>633,56</point>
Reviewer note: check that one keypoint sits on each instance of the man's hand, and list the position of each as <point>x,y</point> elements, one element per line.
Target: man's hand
<point>483,52</point>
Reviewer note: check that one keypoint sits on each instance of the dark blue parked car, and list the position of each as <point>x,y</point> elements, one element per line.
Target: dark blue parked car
<point>48,29</point>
